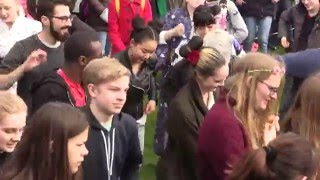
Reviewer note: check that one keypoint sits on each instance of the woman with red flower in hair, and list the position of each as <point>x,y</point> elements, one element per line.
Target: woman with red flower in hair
<point>208,70</point>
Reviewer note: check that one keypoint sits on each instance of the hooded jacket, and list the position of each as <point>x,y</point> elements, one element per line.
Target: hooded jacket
<point>50,88</point>
<point>113,154</point>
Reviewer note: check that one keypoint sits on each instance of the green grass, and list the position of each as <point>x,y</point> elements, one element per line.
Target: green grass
<point>150,158</point>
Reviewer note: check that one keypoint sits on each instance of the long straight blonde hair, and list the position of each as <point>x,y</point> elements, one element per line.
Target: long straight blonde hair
<point>305,112</point>
<point>258,67</point>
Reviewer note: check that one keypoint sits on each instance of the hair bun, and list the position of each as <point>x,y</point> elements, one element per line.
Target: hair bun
<point>156,25</point>
<point>195,43</point>
<point>138,24</point>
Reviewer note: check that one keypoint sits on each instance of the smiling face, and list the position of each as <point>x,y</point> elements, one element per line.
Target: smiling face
<point>141,52</point>
<point>311,5</point>
<point>216,80</point>
<point>8,11</point>
<point>60,22</point>
<point>11,128</point>
<point>267,91</point>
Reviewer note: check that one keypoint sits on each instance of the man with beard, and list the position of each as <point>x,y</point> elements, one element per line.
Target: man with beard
<point>56,20</point>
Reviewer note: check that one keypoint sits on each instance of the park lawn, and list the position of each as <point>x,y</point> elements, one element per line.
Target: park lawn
<point>150,158</point>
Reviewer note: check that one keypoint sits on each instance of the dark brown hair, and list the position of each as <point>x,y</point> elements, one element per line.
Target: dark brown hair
<point>285,158</point>
<point>43,150</point>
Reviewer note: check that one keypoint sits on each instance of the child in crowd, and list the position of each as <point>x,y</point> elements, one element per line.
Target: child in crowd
<point>13,113</point>
<point>113,136</point>
<point>52,146</point>
<point>244,117</point>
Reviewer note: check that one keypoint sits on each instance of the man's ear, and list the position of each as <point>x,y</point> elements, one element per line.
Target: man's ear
<point>45,20</point>
<point>132,43</point>
<point>83,61</point>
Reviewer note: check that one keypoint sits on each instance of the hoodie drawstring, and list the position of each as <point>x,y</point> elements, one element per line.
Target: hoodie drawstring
<point>109,154</point>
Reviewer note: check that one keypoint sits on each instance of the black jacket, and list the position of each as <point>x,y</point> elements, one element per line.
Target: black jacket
<point>295,17</point>
<point>257,8</point>
<point>140,84</point>
<point>51,88</point>
<point>124,141</point>
<point>3,157</point>
<point>185,116</point>
<point>176,77</point>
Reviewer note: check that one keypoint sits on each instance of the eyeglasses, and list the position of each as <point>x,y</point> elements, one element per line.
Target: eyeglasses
<point>273,90</point>
<point>63,18</point>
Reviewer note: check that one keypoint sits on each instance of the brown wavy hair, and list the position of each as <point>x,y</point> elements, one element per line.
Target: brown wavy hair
<point>285,158</point>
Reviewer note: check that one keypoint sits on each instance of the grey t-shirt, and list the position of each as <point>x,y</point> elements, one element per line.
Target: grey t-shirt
<point>19,53</point>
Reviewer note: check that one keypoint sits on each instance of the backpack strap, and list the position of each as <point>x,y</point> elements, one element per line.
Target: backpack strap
<point>117,4</point>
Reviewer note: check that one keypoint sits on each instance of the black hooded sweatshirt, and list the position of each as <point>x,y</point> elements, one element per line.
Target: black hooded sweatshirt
<point>123,149</point>
<point>51,88</point>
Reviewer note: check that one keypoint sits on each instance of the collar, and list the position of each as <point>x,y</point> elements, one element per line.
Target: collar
<point>127,61</point>
<point>95,123</point>
<point>196,95</point>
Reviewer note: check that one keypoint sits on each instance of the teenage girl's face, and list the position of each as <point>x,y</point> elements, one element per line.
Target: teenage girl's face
<point>11,128</point>
<point>211,83</point>
<point>143,51</point>
<point>267,91</point>
<point>195,3</point>
<point>77,150</point>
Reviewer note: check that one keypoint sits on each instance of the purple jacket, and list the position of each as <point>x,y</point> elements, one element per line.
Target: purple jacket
<point>222,141</point>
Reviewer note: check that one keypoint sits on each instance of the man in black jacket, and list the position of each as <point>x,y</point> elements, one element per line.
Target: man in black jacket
<point>113,136</point>
<point>64,85</point>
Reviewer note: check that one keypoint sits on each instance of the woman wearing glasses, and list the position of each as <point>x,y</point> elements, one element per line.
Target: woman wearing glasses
<point>244,117</point>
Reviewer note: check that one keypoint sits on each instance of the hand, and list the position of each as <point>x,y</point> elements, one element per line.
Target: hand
<point>240,2</point>
<point>284,42</point>
<point>34,59</point>
<point>271,128</point>
<point>150,107</point>
<point>179,30</point>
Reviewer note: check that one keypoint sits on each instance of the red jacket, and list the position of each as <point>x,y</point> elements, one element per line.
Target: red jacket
<point>120,25</point>
<point>222,141</point>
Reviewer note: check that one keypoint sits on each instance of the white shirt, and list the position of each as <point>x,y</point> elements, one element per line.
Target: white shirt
<point>21,29</point>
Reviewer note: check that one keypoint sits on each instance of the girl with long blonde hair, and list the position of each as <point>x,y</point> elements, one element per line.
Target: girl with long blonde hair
<point>244,117</point>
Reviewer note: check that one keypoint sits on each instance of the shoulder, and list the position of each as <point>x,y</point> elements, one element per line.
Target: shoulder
<point>51,81</point>
<point>120,55</point>
<point>127,121</point>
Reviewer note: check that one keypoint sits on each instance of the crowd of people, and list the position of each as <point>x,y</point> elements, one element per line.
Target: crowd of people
<point>79,78</point>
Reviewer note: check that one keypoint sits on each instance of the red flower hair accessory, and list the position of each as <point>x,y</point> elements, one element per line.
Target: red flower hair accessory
<point>193,57</point>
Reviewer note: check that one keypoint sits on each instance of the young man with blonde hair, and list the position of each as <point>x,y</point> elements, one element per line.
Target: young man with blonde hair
<point>13,113</point>
<point>113,136</point>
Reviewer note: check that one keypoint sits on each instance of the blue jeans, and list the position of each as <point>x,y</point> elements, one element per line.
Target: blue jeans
<point>263,25</point>
<point>105,43</point>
